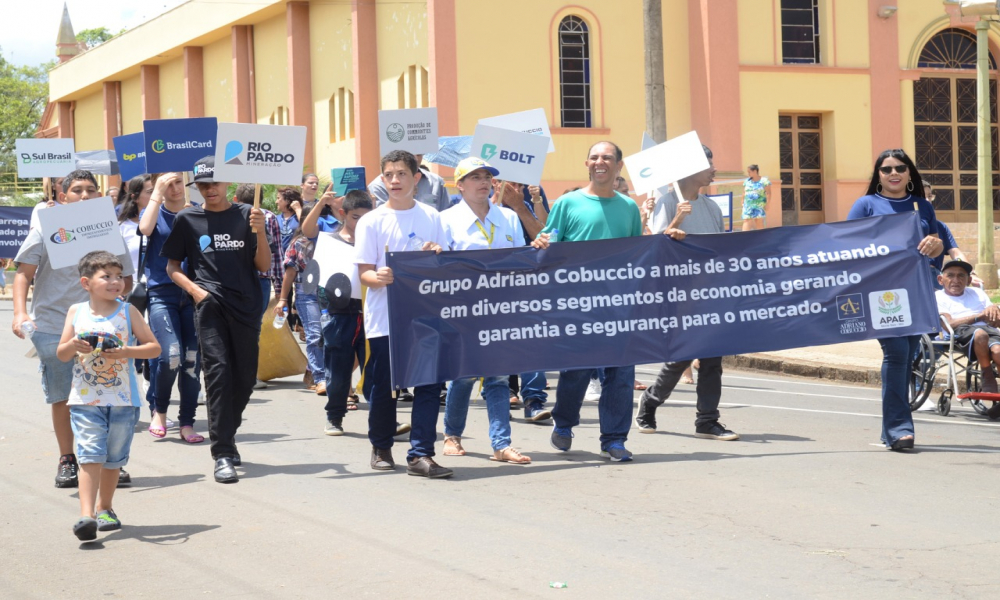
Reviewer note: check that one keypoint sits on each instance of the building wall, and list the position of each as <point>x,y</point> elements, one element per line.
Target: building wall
<point>89,123</point>
<point>218,73</point>
<point>402,42</point>
<point>172,90</point>
<point>270,47</point>
<point>332,69</point>
<point>131,105</point>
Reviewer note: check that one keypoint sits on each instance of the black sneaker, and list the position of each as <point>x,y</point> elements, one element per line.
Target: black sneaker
<point>645,418</point>
<point>334,426</point>
<point>66,476</point>
<point>715,431</point>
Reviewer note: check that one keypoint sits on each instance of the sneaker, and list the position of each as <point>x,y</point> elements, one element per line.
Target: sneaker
<point>334,426</point>
<point>402,428</point>
<point>593,390</point>
<point>382,459</point>
<point>66,475</point>
<point>562,439</point>
<point>645,419</point>
<point>536,412</point>
<point>85,529</point>
<point>617,452</point>
<point>645,424</point>
<point>124,479</point>
<point>259,385</point>
<point>424,466</point>
<point>715,431</point>
<point>107,520</point>
<point>321,388</point>
<point>404,395</point>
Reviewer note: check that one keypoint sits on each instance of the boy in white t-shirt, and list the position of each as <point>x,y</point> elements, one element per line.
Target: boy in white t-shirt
<point>401,224</point>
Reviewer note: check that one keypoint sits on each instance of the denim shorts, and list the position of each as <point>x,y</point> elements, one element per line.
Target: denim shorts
<point>57,376</point>
<point>103,433</point>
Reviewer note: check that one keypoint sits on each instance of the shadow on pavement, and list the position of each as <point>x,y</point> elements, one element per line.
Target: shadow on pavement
<point>150,534</point>
<point>252,470</point>
<point>144,483</point>
<point>766,438</point>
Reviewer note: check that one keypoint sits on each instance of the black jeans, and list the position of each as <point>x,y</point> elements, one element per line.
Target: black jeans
<point>343,340</point>
<point>229,350</point>
<point>709,389</point>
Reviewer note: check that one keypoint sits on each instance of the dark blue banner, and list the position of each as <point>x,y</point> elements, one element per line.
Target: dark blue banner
<point>14,223</point>
<point>176,144</point>
<point>650,299</point>
<point>131,152</point>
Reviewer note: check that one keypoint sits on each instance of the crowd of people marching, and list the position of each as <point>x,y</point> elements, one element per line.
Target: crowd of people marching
<point>184,302</point>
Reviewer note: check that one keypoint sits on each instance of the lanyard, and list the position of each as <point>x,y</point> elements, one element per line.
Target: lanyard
<point>488,236</point>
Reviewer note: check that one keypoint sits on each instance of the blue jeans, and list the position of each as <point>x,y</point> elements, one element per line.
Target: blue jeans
<point>343,341</point>
<point>57,376</point>
<point>309,312</point>
<point>614,407</point>
<point>533,388</point>
<point>171,317</point>
<point>103,434</point>
<point>382,406</point>
<point>897,361</point>
<point>495,391</point>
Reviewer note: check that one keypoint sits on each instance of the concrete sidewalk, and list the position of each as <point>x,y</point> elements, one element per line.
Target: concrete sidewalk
<point>856,362</point>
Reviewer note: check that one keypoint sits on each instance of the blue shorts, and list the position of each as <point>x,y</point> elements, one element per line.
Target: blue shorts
<point>57,376</point>
<point>103,433</point>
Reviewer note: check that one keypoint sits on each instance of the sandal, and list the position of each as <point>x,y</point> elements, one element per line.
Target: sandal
<point>157,432</point>
<point>639,387</point>
<point>352,402</point>
<point>194,437</point>
<point>453,446</point>
<point>510,455</point>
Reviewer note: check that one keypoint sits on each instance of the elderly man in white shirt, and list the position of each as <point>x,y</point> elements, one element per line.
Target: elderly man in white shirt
<point>974,318</point>
<point>476,223</point>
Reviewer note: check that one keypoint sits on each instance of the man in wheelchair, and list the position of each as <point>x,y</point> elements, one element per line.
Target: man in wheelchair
<point>974,319</point>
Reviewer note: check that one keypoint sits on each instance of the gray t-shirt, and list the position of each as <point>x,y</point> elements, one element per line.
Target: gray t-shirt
<point>55,289</point>
<point>430,190</point>
<point>705,215</point>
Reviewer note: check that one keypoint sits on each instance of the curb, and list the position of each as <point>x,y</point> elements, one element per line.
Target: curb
<point>765,363</point>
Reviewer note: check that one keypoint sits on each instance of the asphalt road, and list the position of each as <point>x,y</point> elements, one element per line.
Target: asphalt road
<point>805,505</point>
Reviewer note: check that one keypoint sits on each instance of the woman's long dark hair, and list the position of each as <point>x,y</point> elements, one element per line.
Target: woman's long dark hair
<point>900,155</point>
<point>130,205</point>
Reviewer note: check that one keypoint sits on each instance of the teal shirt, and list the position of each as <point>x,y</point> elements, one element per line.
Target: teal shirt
<point>580,217</point>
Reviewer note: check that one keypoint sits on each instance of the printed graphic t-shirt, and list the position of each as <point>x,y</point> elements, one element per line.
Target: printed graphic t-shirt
<point>219,248</point>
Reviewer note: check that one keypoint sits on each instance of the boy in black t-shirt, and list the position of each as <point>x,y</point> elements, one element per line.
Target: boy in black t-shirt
<point>223,256</point>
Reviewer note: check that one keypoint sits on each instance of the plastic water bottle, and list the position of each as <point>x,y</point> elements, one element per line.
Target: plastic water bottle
<point>414,242</point>
<point>279,321</point>
<point>324,318</point>
<point>554,236</point>
<point>28,329</point>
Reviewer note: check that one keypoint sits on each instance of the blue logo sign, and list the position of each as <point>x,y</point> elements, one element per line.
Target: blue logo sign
<point>850,306</point>
<point>233,151</point>
<point>131,152</point>
<point>176,144</point>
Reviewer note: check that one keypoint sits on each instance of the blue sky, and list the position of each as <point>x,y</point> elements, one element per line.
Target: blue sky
<point>28,29</point>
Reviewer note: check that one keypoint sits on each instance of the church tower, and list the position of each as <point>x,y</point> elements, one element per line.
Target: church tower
<point>66,45</point>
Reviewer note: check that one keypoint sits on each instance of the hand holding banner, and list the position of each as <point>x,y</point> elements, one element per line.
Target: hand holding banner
<point>520,157</point>
<point>666,163</point>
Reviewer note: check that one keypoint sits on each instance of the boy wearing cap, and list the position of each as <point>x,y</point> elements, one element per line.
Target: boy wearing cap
<point>224,255</point>
<point>475,223</point>
<point>401,224</point>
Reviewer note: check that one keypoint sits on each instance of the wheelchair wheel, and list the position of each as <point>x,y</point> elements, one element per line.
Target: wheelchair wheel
<point>974,384</point>
<point>944,403</point>
<point>922,376</point>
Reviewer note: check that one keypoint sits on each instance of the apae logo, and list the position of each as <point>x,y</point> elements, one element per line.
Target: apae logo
<point>889,309</point>
<point>395,132</point>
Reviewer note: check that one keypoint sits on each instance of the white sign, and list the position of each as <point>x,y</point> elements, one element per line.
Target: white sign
<point>336,257</point>
<point>531,121</point>
<point>72,230</point>
<point>247,153</point>
<point>412,129</point>
<point>520,157</point>
<point>647,142</point>
<point>51,157</point>
<point>668,162</point>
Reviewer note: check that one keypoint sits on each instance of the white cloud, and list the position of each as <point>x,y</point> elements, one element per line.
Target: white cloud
<point>28,30</point>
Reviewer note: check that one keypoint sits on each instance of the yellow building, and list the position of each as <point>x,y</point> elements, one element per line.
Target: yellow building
<point>811,90</point>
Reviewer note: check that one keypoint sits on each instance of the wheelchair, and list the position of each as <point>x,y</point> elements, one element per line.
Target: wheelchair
<point>940,352</point>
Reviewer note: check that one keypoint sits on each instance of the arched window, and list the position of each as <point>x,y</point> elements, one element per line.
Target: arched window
<point>951,49</point>
<point>412,88</point>
<point>574,72</point>
<point>341,115</point>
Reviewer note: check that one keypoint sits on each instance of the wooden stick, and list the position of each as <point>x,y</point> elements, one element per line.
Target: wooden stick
<point>187,190</point>
<point>256,200</point>
<point>503,188</point>
<point>47,188</point>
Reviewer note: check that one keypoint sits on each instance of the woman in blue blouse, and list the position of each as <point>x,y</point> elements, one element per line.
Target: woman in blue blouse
<point>896,187</point>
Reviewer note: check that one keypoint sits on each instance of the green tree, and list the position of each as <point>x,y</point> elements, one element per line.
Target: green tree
<point>24,93</point>
<point>95,37</point>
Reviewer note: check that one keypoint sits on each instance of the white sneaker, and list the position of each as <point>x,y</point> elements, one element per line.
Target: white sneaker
<point>593,390</point>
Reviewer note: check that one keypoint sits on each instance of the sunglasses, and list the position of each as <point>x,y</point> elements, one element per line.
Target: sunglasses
<point>898,168</point>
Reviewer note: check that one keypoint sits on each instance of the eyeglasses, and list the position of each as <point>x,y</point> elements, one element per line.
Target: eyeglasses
<point>898,168</point>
